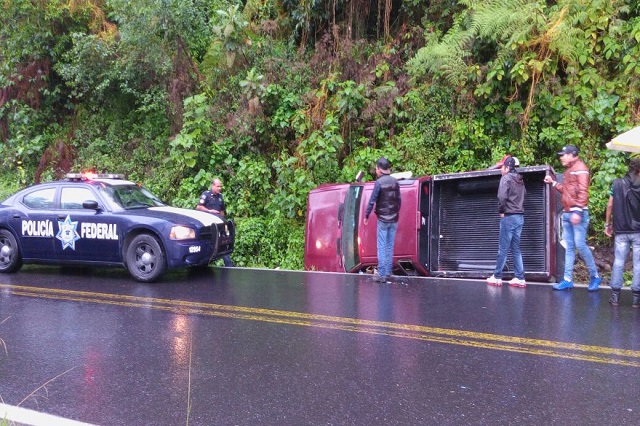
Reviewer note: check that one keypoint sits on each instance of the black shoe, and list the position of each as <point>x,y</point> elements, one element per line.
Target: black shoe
<point>614,300</point>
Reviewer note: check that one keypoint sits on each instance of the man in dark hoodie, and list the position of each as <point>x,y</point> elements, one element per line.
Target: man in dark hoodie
<point>511,193</point>
<point>624,205</point>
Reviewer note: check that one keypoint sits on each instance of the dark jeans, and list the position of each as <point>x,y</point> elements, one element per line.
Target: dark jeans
<point>227,260</point>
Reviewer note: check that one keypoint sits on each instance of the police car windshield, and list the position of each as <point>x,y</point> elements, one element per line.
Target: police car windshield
<point>130,197</point>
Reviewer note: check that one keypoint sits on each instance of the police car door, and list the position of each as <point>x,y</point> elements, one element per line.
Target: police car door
<point>34,224</point>
<point>85,235</point>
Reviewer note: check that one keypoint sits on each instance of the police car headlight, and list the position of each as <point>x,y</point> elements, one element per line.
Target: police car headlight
<point>182,233</point>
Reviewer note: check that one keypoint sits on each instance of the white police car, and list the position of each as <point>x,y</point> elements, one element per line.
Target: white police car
<point>105,220</point>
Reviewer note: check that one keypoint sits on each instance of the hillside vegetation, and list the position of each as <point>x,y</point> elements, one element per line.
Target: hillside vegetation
<point>278,96</point>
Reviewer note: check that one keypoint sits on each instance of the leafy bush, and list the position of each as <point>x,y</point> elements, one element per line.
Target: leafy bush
<point>269,242</point>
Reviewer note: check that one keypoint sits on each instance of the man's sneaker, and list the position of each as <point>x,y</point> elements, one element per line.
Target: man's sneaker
<point>563,285</point>
<point>594,283</point>
<point>492,280</point>
<point>377,278</point>
<point>517,282</point>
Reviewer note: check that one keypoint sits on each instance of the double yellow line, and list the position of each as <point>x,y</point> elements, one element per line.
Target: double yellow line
<point>572,351</point>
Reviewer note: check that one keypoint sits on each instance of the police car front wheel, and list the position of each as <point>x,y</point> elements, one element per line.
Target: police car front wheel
<point>146,260</point>
<point>10,259</point>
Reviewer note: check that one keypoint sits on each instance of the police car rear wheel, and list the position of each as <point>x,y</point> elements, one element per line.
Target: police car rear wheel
<point>10,259</point>
<point>146,261</point>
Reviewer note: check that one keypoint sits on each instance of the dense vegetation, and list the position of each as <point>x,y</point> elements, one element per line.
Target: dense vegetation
<point>278,96</point>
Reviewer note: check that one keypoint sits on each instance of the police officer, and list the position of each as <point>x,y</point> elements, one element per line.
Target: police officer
<point>212,202</point>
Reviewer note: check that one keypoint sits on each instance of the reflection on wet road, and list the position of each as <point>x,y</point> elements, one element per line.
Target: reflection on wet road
<point>407,331</point>
<point>239,346</point>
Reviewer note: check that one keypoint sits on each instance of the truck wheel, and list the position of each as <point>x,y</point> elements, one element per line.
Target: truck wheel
<point>10,259</point>
<point>145,259</point>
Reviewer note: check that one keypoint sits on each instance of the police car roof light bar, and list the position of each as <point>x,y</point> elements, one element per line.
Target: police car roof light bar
<point>89,176</point>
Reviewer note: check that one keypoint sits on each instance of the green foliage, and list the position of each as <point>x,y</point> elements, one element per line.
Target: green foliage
<point>251,186</point>
<point>269,242</point>
<point>27,139</point>
<point>188,143</point>
<point>88,68</point>
<point>11,182</point>
<point>251,84</point>
<point>276,97</point>
<point>229,30</point>
<point>292,185</point>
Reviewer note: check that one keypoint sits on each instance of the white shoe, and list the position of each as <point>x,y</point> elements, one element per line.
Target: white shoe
<point>517,282</point>
<point>492,280</point>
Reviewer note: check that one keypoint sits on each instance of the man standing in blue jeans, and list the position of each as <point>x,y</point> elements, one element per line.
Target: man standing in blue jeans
<point>511,193</point>
<point>386,197</point>
<point>575,217</point>
<point>624,205</point>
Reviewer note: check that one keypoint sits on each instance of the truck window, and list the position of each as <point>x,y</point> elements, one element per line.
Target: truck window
<point>350,227</point>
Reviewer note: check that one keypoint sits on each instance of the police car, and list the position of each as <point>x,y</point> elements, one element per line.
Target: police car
<point>106,220</point>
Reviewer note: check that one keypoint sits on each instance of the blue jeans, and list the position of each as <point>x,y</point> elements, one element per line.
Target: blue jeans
<point>386,239</point>
<point>576,238</point>
<point>510,230</point>
<point>622,244</point>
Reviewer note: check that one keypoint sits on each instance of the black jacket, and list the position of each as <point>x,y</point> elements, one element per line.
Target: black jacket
<point>626,205</point>
<point>511,194</point>
<point>386,196</point>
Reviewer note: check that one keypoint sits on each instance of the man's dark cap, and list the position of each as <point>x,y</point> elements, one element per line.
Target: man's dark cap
<point>511,163</point>
<point>569,149</point>
<point>383,164</point>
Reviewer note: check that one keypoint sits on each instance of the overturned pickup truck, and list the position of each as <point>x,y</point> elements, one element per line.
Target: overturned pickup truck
<point>448,227</point>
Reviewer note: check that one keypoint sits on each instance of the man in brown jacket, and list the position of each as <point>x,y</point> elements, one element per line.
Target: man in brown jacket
<point>575,217</point>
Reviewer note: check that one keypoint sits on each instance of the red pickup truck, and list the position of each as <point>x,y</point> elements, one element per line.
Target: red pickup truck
<point>448,227</point>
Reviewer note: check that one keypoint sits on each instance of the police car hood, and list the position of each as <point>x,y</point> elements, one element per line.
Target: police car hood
<point>178,215</point>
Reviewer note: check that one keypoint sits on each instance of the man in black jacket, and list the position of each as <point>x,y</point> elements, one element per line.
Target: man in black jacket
<point>511,193</point>
<point>624,205</point>
<point>386,197</point>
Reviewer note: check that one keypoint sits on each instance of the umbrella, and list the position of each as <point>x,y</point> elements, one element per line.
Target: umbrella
<point>628,141</point>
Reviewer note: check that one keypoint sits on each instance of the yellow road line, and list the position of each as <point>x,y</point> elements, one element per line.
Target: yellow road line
<point>573,351</point>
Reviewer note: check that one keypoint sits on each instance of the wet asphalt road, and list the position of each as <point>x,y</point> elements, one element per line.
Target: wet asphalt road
<point>249,347</point>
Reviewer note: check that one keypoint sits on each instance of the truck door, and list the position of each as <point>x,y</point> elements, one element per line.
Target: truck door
<point>351,241</point>
<point>325,213</point>
<point>406,253</point>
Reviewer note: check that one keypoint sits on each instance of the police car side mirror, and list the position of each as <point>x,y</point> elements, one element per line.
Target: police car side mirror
<point>91,205</point>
